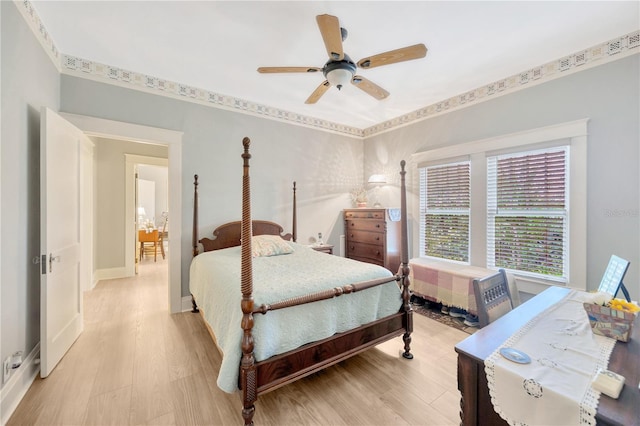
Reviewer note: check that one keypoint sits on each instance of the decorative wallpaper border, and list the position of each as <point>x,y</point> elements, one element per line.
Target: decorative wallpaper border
<point>105,73</point>
<point>33,20</point>
<point>603,53</point>
<point>597,55</point>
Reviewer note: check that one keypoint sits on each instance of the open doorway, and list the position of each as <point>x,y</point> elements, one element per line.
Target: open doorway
<point>141,227</point>
<point>152,214</point>
<point>97,127</point>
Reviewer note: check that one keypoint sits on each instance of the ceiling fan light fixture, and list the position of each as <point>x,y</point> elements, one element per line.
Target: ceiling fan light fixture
<point>339,77</point>
<point>339,73</point>
<point>340,69</point>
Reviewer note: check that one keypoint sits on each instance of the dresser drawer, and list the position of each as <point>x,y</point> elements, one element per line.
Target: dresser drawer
<point>368,260</point>
<point>364,214</point>
<point>368,251</point>
<point>365,225</point>
<point>358,236</point>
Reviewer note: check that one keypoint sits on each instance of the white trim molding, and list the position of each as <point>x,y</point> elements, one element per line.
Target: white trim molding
<point>18,384</point>
<point>109,274</point>
<point>600,54</point>
<point>130,199</point>
<point>42,35</point>
<point>527,137</point>
<point>609,51</point>
<point>572,133</point>
<point>94,126</point>
<point>187,304</point>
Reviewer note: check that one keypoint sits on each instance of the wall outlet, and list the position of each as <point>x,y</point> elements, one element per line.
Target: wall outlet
<point>6,369</point>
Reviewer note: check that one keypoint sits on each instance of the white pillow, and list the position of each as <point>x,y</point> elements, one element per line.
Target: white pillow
<point>269,245</point>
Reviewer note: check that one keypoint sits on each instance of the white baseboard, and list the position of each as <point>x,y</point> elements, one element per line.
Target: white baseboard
<point>110,274</point>
<point>18,384</point>
<point>186,303</point>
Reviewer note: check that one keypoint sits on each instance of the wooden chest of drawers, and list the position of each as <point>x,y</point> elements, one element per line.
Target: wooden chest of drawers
<point>371,236</point>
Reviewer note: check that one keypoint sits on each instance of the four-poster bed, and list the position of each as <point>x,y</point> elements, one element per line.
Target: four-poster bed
<point>252,265</point>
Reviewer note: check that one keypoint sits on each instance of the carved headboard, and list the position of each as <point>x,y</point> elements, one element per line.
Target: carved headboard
<point>228,235</point>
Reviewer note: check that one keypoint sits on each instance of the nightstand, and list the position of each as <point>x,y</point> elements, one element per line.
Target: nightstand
<point>325,248</point>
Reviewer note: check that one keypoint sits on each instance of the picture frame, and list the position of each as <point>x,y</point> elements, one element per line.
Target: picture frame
<point>612,278</point>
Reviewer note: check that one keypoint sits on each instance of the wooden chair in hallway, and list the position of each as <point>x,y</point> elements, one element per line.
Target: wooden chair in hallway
<point>150,241</point>
<point>163,234</point>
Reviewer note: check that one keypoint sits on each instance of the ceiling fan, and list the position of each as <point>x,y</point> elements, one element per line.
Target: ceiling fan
<point>340,69</point>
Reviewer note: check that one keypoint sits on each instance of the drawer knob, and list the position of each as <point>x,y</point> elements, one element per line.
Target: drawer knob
<point>377,225</point>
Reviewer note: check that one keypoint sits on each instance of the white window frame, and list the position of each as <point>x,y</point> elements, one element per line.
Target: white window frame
<point>424,211</point>
<point>573,134</point>
<point>493,212</point>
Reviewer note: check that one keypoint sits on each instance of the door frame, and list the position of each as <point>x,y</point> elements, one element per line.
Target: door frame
<point>93,126</point>
<point>131,160</point>
<point>87,213</point>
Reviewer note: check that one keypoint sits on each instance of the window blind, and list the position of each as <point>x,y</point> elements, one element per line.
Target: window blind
<point>527,212</point>
<point>444,208</point>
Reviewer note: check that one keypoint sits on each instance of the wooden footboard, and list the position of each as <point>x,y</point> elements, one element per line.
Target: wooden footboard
<point>285,368</point>
<point>258,377</point>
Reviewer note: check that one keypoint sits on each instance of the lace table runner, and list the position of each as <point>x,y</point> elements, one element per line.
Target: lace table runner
<point>555,387</point>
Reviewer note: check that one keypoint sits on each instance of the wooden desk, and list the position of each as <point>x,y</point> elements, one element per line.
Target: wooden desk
<point>475,405</point>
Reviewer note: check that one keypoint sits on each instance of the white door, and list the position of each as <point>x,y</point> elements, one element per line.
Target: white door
<point>60,286</point>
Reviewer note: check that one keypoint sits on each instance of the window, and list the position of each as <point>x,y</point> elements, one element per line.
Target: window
<point>527,212</point>
<point>444,211</point>
<point>533,224</point>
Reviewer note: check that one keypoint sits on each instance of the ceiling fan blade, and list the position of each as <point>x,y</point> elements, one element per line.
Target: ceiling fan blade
<point>288,69</point>
<point>369,87</point>
<point>318,93</point>
<point>391,57</point>
<point>332,36</point>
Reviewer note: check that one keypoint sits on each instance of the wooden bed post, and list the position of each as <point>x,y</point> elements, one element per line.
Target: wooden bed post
<point>405,265</point>
<point>194,234</point>
<point>295,218</point>
<point>248,377</point>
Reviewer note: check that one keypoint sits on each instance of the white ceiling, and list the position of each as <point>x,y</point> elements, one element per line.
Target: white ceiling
<point>217,46</point>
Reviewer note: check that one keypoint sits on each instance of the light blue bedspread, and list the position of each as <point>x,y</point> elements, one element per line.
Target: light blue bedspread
<point>215,284</point>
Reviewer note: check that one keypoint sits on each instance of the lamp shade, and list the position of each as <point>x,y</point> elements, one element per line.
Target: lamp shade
<point>141,211</point>
<point>377,179</point>
<point>339,77</point>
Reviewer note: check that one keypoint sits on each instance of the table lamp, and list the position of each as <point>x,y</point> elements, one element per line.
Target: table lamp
<point>376,180</point>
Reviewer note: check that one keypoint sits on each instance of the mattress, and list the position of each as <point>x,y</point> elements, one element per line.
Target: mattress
<point>214,281</point>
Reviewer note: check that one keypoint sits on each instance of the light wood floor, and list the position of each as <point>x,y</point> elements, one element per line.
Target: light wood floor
<point>135,364</point>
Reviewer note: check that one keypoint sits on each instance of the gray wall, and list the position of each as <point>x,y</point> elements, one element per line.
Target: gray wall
<point>29,82</point>
<point>325,166</point>
<point>609,95</point>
